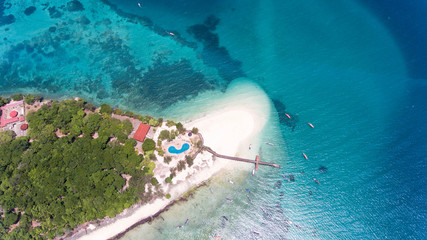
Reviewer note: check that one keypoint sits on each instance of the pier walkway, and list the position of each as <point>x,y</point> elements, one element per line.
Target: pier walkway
<point>256,162</point>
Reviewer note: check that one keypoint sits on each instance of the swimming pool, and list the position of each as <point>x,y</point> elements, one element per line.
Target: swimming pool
<point>184,148</point>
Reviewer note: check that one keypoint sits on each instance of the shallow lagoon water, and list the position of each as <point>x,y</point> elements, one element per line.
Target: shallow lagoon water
<point>337,65</point>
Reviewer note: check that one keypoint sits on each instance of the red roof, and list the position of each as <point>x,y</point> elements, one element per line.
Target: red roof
<point>13,114</point>
<point>24,126</point>
<point>141,132</point>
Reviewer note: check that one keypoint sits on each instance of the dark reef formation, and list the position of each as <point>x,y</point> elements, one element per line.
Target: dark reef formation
<point>214,55</point>
<point>151,25</point>
<point>278,184</point>
<point>29,10</point>
<point>323,169</point>
<point>5,19</point>
<point>281,112</point>
<point>57,61</point>
<point>54,13</point>
<point>74,6</point>
<point>166,83</point>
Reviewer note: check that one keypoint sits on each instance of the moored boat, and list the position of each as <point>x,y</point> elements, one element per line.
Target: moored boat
<point>305,156</point>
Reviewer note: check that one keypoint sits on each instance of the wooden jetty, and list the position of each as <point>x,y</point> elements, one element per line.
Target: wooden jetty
<point>256,162</point>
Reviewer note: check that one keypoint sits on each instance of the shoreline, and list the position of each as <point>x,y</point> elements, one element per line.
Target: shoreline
<point>228,131</point>
<point>157,214</point>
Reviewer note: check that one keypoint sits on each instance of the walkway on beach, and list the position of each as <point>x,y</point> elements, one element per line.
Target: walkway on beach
<point>241,159</point>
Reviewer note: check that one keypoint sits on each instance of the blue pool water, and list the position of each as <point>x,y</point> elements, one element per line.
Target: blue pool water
<point>184,148</point>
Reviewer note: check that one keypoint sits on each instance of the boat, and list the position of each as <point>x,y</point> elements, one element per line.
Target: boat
<point>253,172</point>
<point>217,237</point>
<point>230,181</point>
<point>269,143</point>
<point>172,34</point>
<point>250,146</point>
<point>287,115</point>
<point>316,180</point>
<point>311,125</point>
<point>186,221</point>
<point>287,179</point>
<point>229,199</point>
<point>305,156</point>
<point>225,218</point>
<point>139,5</point>
<point>249,191</point>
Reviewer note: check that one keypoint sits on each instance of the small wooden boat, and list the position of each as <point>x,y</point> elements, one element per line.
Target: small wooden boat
<point>311,125</point>
<point>305,156</point>
<point>172,34</point>
<point>217,237</point>
<point>287,115</point>
<point>269,143</point>
<point>316,180</point>
<point>229,199</point>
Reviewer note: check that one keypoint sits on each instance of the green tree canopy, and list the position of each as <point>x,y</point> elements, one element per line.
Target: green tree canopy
<point>4,101</point>
<point>164,134</point>
<point>180,128</point>
<point>30,99</point>
<point>195,130</point>
<point>17,96</point>
<point>148,145</point>
<point>105,108</point>
<point>61,182</point>
<point>7,136</point>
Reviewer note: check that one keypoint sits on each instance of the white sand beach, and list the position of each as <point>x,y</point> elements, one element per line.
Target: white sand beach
<point>235,120</point>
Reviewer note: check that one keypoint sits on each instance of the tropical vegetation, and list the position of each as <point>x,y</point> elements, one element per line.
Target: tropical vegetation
<point>68,170</point>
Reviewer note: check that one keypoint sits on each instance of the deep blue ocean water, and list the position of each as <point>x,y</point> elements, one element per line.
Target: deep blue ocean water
<point>357,70</point>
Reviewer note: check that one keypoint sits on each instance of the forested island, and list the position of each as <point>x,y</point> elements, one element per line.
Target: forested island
<point>74,164</point>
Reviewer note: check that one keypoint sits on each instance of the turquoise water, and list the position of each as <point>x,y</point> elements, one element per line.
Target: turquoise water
<point>354,69</point>
<point>183,148</point>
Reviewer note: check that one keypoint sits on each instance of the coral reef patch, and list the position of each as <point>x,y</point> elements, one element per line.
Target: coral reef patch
<point>5,19</point>
<point>283,119</point>
<point>29,10</point>
<point>214,55</point>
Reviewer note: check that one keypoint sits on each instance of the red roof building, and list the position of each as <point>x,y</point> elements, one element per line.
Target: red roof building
<point>13,114</point>
<point>141,132</point>
<point>24,126</point>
